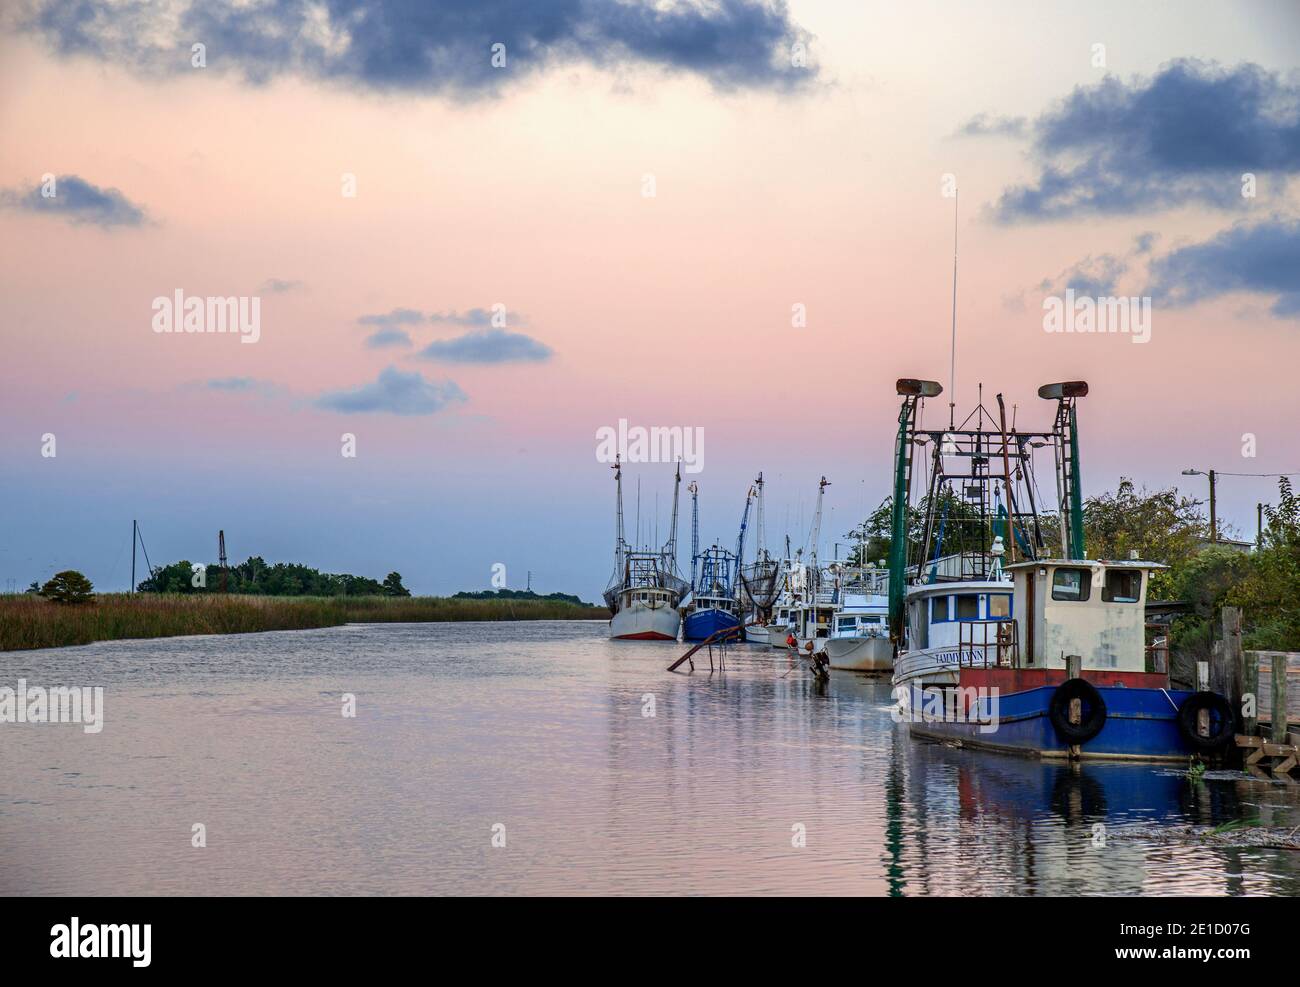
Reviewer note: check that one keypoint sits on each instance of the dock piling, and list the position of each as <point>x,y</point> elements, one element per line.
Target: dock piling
<point>1277,665</point>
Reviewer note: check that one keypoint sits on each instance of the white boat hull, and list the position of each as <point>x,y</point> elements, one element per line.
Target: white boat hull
<point>638,622</point>
<point>757,634</point>
<point>935,666</point>
<point>860,654</point>
<point>776,635</point>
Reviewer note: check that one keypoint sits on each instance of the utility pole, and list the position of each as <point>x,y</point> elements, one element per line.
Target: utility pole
<point>1214,517</point>
<point>1214,521</point>
<point>1259,526</point>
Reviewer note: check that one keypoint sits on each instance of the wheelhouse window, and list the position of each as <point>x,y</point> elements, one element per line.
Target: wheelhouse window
<point>968,606</point>
<point>939,609</point>
<point>1122,586</point>
<point>999,606</point>
<point>1071,585</point>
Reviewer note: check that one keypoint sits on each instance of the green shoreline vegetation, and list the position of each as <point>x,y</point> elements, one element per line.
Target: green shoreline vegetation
<point>28,620</point>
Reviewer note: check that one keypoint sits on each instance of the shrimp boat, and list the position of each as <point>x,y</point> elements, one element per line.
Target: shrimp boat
<point>813,593</point>
<point>645,590</point>
<point>859,633</point>
<point>712,608</point>
<point>1009,636</point>
<point>760,580</point>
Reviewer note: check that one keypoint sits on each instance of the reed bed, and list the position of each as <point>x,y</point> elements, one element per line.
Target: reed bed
<point>28,621</point>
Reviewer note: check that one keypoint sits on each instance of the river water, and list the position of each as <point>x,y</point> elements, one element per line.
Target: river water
<point>538,736</point>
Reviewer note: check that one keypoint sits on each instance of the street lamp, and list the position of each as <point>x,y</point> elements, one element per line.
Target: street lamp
<point>1214,525</point>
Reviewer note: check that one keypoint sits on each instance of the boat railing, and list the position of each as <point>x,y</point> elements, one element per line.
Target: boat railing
<point>988,643</point>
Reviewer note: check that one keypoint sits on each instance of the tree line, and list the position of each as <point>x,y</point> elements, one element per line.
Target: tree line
<point>256,577</point>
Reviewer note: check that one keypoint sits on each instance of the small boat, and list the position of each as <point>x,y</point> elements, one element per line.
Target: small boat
<point>760,580</point>
<point>644,593</point>
<point>712,608</point>
<point>778,627</point>
<point>1044,655</point>
<point>812,591</point>
<point>859,634</point>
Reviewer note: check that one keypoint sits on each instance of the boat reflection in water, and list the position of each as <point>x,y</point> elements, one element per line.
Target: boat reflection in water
<point>1028,826</point>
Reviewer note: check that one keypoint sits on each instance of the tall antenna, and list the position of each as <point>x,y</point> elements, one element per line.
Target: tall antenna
<point>952,365</point>
<point>619,542</point>
<point>221,550</point>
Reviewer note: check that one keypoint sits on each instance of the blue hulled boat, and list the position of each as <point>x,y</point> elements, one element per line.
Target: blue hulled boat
<point>713,606</point>
<point>1045,655</point>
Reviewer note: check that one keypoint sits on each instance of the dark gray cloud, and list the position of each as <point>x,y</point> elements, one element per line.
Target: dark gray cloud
<point>388,337</point>
<point>433,45</point>
<point>1186,134</point>
<point>488,346</point>
<point>1095,277</point>
<point>278,286</point>
<point>397,317</point>
<point>471,317</point>
<point>77,201</point>
<point>396,393</point>
<point>1263,259</point>
<point>232,384</point>
<point>987,125</point>
<point>245,385</point>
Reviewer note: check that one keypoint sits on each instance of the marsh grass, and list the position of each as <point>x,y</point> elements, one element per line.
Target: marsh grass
<point>28,621</point>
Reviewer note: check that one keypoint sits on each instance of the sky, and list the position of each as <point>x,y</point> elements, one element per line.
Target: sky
<point>475,234</point>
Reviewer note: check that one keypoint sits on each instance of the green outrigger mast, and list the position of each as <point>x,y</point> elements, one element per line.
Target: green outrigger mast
<point>964,478</point>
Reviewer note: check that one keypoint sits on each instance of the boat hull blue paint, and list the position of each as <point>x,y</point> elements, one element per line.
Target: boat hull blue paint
<point>1140,724</point>
<point>703,624</point>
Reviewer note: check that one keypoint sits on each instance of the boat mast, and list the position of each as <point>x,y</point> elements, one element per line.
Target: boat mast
<point>695,529</point>
<point>760,548</point>
<point>619,543</point>
<point>912,392</point>
<point>1065,434</point>
<point>817,519</point>
<point>744,520</point>
<point>671,550</point>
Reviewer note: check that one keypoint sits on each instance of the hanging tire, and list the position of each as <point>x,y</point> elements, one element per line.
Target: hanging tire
<point>1223,722</point>
<point>1094,711</point>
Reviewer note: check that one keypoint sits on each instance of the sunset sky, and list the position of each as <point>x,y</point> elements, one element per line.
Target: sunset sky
<point>524,185</point>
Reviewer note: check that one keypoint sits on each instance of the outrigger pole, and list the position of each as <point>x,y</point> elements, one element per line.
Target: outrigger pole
<point>1067,458</point>
<point>913,391</point>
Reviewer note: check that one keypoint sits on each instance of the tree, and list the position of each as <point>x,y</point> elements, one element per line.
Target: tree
<point>393,585</point>
<point>1160,525</point>
<point>68,586</point>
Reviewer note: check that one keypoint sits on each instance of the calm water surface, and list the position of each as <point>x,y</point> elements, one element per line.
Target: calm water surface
<point>539,728</point>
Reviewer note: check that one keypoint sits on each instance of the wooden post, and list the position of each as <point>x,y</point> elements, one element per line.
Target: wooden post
<point>1218,678</point>
<point>1250,687</point>
<point>1202,676</point>
<point>1278,663</point>
<point>1073,666</point>
<point>1232,655</point>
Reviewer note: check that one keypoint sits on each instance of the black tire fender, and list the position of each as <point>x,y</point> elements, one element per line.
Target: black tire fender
<point>1223,721</point>
<point>1058,711</point>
